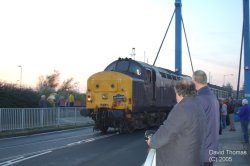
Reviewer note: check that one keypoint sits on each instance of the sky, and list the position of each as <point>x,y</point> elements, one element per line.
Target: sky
<point>81,37</point>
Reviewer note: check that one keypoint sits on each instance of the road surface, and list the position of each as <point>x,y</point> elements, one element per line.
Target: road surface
<point>75,147</point>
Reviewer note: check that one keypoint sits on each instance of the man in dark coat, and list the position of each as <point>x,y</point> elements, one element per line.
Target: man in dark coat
<point>180,140</point>
<point>211,106</point>
<point>230,108</point>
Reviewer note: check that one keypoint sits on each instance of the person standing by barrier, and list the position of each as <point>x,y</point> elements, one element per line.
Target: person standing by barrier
<point>66,102</point>
<point>211,106</point>
<point>224,114</point>
<point>231,107</point>
<point>43,102</point>
<point>244,114</point>
<point>180,140</point>
<point>57,100</point>
<point>71,100</point>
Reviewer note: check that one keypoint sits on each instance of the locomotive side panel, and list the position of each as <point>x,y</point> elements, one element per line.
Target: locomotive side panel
<point>165,95</point>
<point>139,96</point>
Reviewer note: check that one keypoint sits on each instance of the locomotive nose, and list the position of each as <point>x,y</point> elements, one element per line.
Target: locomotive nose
<point>109,90</point>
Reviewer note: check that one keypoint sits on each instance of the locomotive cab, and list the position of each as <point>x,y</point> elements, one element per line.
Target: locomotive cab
<point>142,75</point>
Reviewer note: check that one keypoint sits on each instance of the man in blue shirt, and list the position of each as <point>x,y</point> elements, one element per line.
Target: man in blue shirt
<point>211,106</point>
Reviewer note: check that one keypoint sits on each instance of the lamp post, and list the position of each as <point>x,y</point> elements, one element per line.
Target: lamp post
<point>20,75</point>
<point>225,78</point>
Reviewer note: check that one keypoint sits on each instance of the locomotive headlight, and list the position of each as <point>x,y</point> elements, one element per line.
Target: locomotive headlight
<point>104,96</point>
<point>89,99</point>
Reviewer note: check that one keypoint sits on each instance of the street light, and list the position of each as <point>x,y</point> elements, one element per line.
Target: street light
<point>225,78</point>
<point>20,75</point>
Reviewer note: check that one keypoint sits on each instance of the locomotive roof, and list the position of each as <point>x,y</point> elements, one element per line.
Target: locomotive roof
<point>158,69</point>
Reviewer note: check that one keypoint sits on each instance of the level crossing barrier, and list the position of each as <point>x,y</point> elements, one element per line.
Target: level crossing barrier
<point>28,118</point>
<point>151,158</point>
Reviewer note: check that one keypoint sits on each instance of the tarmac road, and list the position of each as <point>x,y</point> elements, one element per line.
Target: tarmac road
<point>75,147</point>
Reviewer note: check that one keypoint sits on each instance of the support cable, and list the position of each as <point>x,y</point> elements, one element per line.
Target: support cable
<point>164,38</point>
<point>187,44</point>
<point>241,48</point>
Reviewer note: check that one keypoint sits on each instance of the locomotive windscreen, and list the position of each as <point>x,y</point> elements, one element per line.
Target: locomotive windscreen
<point>122,66</point>
<point>125,66</point>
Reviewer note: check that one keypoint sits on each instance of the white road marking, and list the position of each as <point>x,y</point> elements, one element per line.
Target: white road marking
<point>10,161</point>
<point>22,158</point>
<point>74,143</point>
<point>90,139</point>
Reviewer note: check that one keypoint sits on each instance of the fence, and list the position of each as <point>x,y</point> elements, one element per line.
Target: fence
<point>27,118</point>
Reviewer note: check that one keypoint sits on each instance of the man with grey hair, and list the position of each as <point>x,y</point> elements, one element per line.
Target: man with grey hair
<point>244,113</point>
<point>211,107</point>
<point>180,140</point>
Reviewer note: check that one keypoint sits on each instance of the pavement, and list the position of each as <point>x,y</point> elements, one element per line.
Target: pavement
<point>232,150</point>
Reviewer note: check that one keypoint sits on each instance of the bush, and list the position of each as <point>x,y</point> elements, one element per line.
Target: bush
<point>12,96</point>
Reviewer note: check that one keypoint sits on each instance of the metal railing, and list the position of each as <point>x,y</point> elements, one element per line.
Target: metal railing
<point>151,158</point>
<point>27,118</point>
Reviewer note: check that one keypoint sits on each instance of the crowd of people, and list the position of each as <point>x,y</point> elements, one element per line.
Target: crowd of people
<point>227,114</point>
<point>191,131</point>
<point>230,111</point>
<point>56,101</point>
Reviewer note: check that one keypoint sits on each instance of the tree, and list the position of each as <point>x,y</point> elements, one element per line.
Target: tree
<point>67,85</point>
<point>51,80</point>
<point>47,85</point>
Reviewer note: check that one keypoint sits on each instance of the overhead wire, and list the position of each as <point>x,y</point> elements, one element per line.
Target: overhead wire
<point>241,48</point>
<point>164,38</point>
<point>187,44</point>
<point>185,39</point>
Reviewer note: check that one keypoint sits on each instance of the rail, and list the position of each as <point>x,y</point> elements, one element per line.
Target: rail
<point>151,158</point>
<point>28,118</point>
